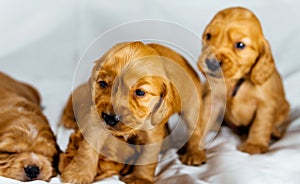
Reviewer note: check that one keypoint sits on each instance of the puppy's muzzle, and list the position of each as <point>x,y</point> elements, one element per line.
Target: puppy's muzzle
<point>212,64</point>
<point>110,119</point>
<point>32,172</point>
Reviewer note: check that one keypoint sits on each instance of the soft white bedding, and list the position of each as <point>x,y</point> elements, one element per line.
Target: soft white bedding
<point>41,42</point>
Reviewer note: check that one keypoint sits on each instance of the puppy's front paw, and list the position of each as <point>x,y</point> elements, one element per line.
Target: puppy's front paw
<point>194,157</point>
<point>132,179</point>
<point>73,175</point>
<point>76,178</point>
<point>252,148</point>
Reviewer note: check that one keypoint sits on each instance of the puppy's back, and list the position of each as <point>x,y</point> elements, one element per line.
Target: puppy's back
<point>174,56</point>
<point>21,89</point>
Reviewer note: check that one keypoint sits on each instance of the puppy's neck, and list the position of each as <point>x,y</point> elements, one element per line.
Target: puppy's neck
<point>233,86</point>
<point>237,86</point>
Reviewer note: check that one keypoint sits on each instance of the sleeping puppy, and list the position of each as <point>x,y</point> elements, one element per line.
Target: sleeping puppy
<point>234,44</point>
<point>134,93</point>
<point>28,150</point>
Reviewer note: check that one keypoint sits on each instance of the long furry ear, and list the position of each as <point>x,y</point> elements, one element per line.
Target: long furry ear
<point>162,108</point>
<point>91,84</point>
<point>264,65</point>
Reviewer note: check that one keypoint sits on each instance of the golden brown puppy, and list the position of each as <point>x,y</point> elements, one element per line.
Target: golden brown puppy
<point>135,92</point>
<point>233,42</point>
<point>28,149</point>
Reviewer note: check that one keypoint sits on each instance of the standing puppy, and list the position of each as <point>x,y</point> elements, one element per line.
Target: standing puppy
<point>134,92</point>
<point>28,150</point>
<point>233,43</point>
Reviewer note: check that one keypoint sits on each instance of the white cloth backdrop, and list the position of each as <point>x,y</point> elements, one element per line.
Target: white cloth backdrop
<point>41,42</point>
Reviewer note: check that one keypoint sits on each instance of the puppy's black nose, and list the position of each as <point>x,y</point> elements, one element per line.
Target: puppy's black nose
<point>32,172</point>
<point>212,64</point>
<point>110,119</point>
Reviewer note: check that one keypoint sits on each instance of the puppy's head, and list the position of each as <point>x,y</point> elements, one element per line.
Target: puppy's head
<point>129,87</point>
<point>233,42</point>
<point>27,150</point>
<point>141,95</point>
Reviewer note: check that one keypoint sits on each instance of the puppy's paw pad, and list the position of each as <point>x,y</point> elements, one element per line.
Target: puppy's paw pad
<point>253,148</point>
<point>194,158</point>
<point>132,179</point>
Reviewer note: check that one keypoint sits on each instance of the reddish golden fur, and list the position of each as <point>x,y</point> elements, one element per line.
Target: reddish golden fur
<point>110,67</point>
<point>25,136</point>
<point>260,101</point>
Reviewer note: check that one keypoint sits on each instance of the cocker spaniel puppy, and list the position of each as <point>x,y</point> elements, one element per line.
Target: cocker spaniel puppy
<point>234,44</point>
<point>28,149</point>
<point>135,88</point>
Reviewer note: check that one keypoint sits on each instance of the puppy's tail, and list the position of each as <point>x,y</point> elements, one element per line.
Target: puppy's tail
<point>279,130</point>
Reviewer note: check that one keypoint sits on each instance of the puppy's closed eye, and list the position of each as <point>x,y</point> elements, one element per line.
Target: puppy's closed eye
<point>7,152</point>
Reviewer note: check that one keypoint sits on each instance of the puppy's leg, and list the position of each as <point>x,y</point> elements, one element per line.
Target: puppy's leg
<point>195,151</point>
<point>283,120</point>
<point>144,174</point>
<point>71,151</point>
<point>260,131</point>
<point>68,117</point>
<point>77,107</point>
<point>107,168</point>
<point>83,168</point>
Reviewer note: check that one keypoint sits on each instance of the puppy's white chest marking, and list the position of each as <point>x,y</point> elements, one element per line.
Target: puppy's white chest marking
<point>33,132</point>
<point>20,109</point>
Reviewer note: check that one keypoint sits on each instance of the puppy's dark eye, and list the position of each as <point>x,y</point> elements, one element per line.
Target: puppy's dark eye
<point>103,84</point>
<point>239,45</point>
<point>139,92</point>
<point>208,36</point>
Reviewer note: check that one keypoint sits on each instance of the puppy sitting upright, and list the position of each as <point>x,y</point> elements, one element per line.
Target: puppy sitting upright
<point>233,43</point>
<point>135,88</point>
<point>28,149</point>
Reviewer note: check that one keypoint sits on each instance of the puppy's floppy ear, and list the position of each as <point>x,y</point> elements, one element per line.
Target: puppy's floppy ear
<point>264,65</point>
<point>91,84</point>
<point>162,109</point>
<point>97,66</point>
